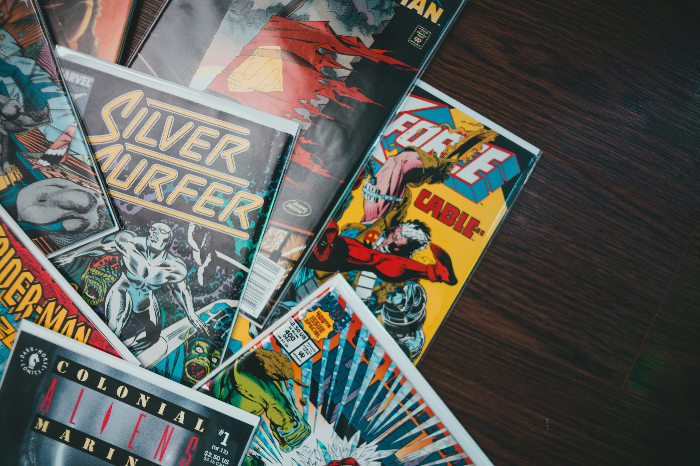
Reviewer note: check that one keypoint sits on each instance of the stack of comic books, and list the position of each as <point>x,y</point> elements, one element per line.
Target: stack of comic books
<point>240,160</point>
<point>340,68</point>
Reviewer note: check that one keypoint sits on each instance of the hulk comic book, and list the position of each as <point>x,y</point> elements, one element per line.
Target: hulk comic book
<point>193,179</point>
<point>32,289</point>
<point>334,389</point>
<point>48,179</point>
<point>74,407</point>
<point>340,68</point>
<point>94,27</point>
<point>419,217</point>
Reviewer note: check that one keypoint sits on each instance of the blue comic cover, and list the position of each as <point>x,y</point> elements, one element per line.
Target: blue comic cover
<point>193,179</point>
<point>48,180</point>
<point>334,389</point>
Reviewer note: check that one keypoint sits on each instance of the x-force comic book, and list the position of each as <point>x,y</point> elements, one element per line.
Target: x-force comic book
<point>95,27</point>
<point>334,389</point>
<point>193,178</point>
<point>419,217</point>
<point>64,404</point>
<point>48,179</point>
<point>338,67</point>
<point>32,289</point>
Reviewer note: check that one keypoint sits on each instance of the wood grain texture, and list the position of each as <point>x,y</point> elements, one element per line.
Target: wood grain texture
<point>524,409</point>
<point>587,281</point>
<point>667,370</point>
<point>562,277</point>
<point>613,85</point>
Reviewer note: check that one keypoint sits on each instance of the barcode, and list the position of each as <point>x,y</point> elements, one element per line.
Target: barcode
<point>263,279</point>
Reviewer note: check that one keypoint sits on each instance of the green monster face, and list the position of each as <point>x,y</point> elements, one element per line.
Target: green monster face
<point>96,283</point>
<point>201,357</point>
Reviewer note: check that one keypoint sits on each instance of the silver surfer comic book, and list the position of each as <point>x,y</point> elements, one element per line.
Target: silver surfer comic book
<point>193,179</point>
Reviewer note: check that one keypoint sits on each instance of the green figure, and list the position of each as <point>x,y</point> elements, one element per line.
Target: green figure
<point>257,383</point>
<point>202,355</point>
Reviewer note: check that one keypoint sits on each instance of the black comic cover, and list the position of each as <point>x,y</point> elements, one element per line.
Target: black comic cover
<point>338,67</point>
<point>193,179</point>
<point>48,179</point>
<point>65,404</point>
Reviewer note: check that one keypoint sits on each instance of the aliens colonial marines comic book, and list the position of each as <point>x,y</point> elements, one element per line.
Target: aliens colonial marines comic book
<point>64,404</point>
<point>48,179</point>
<point>32,289</point>
<point>193,179</point>
<point>94,27</point>
<point>339,67</point>
<point>334,389</point>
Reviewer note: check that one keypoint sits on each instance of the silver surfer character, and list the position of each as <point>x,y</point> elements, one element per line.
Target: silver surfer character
<point>146,267</point>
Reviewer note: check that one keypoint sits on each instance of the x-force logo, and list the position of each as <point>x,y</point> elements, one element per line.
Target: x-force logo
<point>490,168</point>
<point>33,361</point>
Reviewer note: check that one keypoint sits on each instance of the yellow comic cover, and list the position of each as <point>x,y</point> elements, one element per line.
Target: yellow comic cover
<point>418,218</point>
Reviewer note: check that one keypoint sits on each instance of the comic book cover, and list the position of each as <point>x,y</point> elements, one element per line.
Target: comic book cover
<point>63,404</point>
<point>334,389</point>
<point>94,27</point>
<point>48,180</point>
<point>193,179</point>
<point>338,67</point>
<point>419,217</point>
<point>32,289</point>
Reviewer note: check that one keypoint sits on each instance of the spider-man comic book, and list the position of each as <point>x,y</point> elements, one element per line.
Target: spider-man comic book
<point>193,179</point>
<point>334,389</point>
<point>340,68</point>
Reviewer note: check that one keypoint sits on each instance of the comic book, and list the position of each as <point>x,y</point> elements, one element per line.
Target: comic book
<point>48,180</point>
<point>94,27</point>
<point>419,217</point>
<point>335,389</point>
<point>64,404</point>
<point>32,289</point>
<point>193,178</point>
<point>339,67</point>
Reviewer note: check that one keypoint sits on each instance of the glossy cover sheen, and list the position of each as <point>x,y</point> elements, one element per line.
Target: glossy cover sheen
<point>193,179</point>
<point>67,405</point>
<point>48,181</point>
<point>94,27</point>
<point>413,228</point>
<point>32,289</point>
<point>335,389</point>
<point>339,67</point>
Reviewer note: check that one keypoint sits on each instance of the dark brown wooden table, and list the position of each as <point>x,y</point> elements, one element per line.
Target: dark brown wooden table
<point>577,342</point>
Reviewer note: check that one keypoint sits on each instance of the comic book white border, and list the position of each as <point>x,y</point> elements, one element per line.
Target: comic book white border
<point>390,346</point>
<point>87,311</point>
